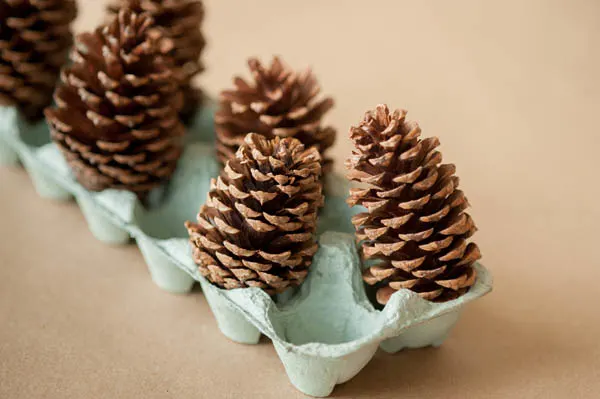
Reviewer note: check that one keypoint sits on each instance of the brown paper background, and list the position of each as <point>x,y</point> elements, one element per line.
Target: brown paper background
<point>511,88</point>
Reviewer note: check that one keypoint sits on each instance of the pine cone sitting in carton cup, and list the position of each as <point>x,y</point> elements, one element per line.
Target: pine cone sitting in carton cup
<point>116,118</point>
<point>414,233</point>
<point>257,228</point>
<point>280,103</point>
<point>181,21</point>
<point>35,37</point>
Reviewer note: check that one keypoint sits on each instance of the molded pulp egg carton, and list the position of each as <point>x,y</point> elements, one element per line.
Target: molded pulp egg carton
<point>324,331</point>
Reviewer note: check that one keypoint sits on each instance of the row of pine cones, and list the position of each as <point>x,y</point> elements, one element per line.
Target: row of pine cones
<point>257,227</point>
<point>119,118</point>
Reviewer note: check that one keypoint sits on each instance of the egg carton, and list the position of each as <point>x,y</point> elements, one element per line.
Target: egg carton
<point>324,331</point>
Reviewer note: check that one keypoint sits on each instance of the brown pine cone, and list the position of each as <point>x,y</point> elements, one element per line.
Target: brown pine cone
<point>116,120</point>
<point>415,231</point>
<point>181,20</point>
<point>281,103</point>
<point>35,37</point>
<point>257,228</point>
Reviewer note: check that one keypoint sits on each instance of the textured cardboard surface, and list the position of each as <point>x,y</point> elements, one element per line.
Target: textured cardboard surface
<point>504,102</point>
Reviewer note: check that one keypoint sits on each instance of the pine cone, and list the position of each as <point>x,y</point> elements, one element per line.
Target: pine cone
<point>116,120</point>
<point>257,228</point>
<point>281,103</point>
<point>35,37</point>
<point>415,230</point>
<point>181,21</point>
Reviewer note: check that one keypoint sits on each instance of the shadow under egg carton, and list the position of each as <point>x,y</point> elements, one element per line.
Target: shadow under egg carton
<point>324,331</point>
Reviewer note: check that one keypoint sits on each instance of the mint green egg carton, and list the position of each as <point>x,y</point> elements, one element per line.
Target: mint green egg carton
<point>324,331</point>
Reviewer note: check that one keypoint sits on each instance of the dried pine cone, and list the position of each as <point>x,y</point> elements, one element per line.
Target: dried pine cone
<point>116,120</point>
<point>181,21</point>
<point>281,103</point>
<point>257,228</point>
<point>415,230</point>
<point>35,37</point>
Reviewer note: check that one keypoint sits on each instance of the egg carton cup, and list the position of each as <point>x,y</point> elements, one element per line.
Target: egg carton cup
<point>324,331</point>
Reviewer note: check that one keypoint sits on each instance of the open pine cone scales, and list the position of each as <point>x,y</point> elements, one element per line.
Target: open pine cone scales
<point>414,232</point>
<point>257,228</point>
<point>116,120</point>
<point>181,21</point>
<point>35,37</point>
<point>281,103</point>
